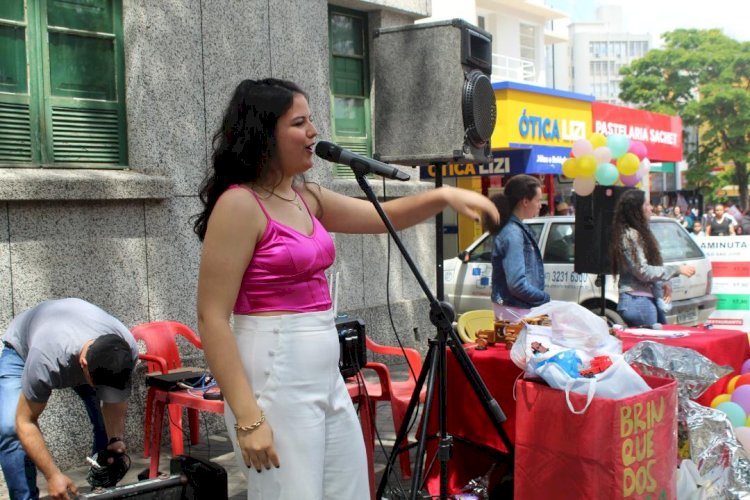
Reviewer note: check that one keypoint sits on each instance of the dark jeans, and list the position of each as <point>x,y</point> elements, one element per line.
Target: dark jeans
<point>637,310</point>
<point>18,469</point>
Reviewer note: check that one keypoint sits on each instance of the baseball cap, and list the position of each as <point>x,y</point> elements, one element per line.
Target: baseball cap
<point>561,206</point>
<point>110,364</point>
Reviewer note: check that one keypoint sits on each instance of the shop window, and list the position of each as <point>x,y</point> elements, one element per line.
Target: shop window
<point>350,102</point>
<point>62,99</point>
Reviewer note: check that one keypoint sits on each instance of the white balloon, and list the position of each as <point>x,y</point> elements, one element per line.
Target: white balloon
<point>602,155</point>
<point>584,186</point>
<point>582,147</point>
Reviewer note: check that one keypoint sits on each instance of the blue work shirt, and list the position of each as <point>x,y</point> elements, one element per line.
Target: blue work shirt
<point>517,267</point>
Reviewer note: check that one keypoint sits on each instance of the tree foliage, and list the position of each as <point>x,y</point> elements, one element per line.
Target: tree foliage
<point>704,77</point>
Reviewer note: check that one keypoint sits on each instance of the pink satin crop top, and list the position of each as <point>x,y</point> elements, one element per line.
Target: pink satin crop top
<point>287,270</point>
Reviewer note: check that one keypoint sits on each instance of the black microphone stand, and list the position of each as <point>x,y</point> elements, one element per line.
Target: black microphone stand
<point>435,365</point>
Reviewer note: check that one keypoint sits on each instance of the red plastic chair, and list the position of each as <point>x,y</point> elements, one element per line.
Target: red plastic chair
<point>162,355</point>
<point>397,392</point>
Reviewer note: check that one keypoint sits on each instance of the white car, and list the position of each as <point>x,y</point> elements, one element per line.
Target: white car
<point>468,277</point>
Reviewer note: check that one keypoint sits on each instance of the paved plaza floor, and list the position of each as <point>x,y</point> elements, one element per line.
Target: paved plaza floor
<point>217,448</point>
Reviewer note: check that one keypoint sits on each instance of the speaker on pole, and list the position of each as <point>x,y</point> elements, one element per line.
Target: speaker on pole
<point>433,94</point>
<point>593,225</point>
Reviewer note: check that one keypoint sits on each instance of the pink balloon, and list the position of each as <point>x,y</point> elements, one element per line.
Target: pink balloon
<point>745,366</point>
<point>741,396</point>
<point>743,436</point>
<point>630,180</point>
<point>639,149</point>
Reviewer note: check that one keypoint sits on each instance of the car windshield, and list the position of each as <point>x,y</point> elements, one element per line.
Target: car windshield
<point>483,251</point>
<point>675,243</point>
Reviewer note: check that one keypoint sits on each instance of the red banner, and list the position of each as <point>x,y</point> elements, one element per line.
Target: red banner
<point>662,134</point>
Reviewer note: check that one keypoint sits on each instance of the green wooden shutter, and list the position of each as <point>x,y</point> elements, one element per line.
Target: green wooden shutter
<point>84,109</point>
<point>350,101</point>
<point>15,119</point>
<point>62,83</point>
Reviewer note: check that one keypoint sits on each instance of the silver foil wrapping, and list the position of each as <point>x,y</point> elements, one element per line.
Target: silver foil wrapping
<point>721,460</point>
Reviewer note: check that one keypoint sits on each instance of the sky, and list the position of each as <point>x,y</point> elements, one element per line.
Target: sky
<point>658,16</point>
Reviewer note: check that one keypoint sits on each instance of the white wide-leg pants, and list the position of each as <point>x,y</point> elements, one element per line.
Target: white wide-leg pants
<point>292,363</point>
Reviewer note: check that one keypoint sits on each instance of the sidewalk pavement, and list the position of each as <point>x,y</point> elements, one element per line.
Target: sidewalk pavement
<point>217,448</point>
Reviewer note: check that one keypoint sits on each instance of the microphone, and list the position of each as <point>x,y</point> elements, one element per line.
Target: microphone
<point>334,153</point>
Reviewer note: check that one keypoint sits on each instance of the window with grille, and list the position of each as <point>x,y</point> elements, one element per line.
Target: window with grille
<point>350,84</point>
<point>62,98</point>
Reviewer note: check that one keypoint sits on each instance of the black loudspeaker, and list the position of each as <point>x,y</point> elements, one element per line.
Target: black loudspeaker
<point>353,354</point>
<point>593,228</point>
<point>434,100</point>
<point>190,479</point>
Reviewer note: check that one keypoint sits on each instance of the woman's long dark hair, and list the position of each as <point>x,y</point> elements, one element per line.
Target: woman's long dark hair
<point>519,187</point>
<point>629,214</point>
<point>245,141</point>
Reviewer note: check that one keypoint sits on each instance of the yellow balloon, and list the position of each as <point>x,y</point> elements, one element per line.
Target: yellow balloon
<point>587,165</point>
<point>732,383</point>
<point>628,164</point>
<point>570,168</point>
<point>721,398</point>
<point>597,140</point>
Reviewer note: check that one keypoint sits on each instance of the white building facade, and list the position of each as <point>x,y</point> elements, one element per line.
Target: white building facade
<point>520,29</point>
<point>596,51</point>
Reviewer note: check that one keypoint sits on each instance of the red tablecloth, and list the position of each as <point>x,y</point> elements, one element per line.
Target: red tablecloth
<point>723,347</point>
<point>467,420</point>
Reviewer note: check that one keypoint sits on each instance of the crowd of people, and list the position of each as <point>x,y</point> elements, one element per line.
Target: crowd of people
<point>717,220</point>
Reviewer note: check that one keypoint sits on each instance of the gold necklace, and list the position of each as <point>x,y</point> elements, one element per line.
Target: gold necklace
<point>294,201</point>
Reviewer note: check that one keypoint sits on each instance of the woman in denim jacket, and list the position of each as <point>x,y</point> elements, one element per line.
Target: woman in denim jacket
<point>517,268</point>
<point>637,259</point>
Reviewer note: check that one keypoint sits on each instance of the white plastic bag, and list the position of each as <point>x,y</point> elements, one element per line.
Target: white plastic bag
<point>578,328</point>
<point>689,482</point>
<point>618,381</point>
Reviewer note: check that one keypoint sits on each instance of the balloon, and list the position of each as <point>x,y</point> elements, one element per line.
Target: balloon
<point>734,412</point>
<point>628,164</point>
<point>743,380</point>
<point>584,186</point>
<point>582,147</point>
<point>732,383</point>
<point>597,140</point>
<point>721,398</point>
<point>586,165</point>
<point>741,396</point>
<point>745,367</point>
<point>602,155</point>
<point>606,174</point>
<point>638,149</point>
<point>570,168</point>
<point>743,436</point>
<point>618,144</point>
<point>630,180</point>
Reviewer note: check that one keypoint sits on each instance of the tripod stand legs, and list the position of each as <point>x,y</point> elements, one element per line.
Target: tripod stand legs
<point>435,365</point>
